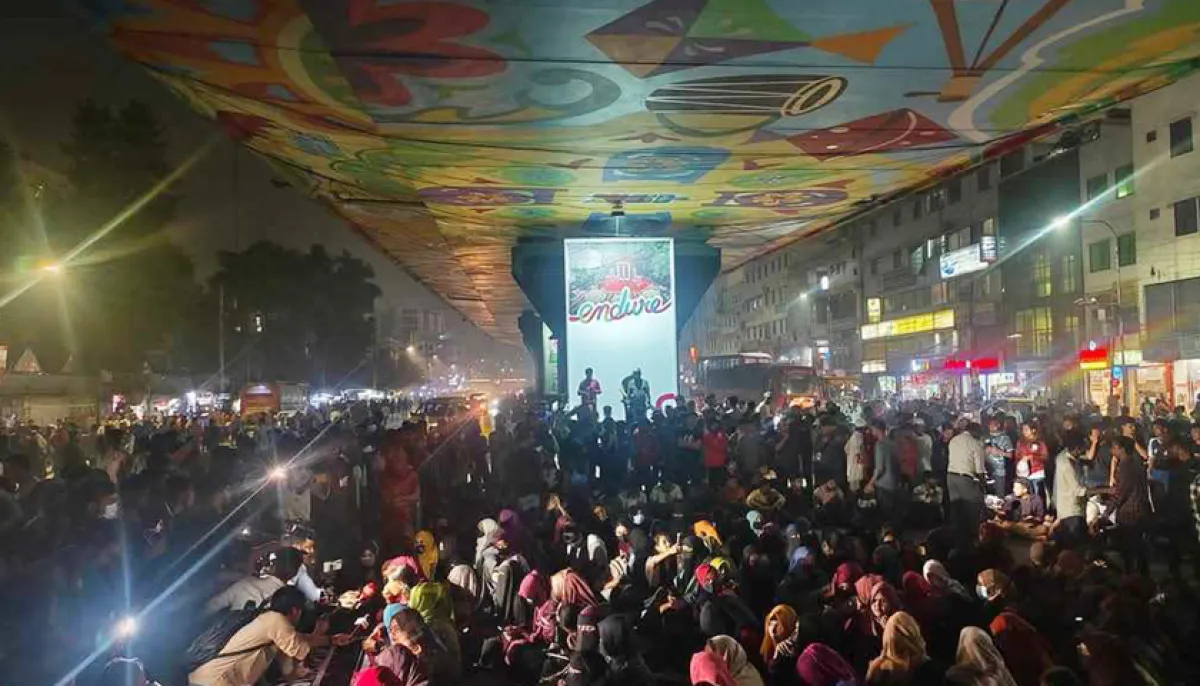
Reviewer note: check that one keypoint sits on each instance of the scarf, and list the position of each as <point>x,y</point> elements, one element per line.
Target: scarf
<point>378,676</point>
<point>427,552</point>
<point>570,588</point>
<point>996,583</point>
<point>940,580</point>
<point>535,589</point>
<point>819,665</point>
<point>736,660</point>
<point>464,577</point>
<point>903,647</point>
<point>978,657</point>
<point>432,600</point>
<point>707,668</point>
<point>487,536</point>
<point>787,618</point>
<point>919,598</point>
<point>845,576</point>
<point>1025,652</point>
<point>707,533</point>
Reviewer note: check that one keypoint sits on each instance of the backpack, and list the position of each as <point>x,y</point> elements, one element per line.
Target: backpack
<point>211,640</point>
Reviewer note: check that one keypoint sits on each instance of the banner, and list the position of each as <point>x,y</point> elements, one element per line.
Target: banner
<point>621,317</point>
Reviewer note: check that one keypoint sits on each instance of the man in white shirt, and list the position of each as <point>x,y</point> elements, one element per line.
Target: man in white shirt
<point>1070,495</point>
<point>967,472</point>
<point>244,658</point>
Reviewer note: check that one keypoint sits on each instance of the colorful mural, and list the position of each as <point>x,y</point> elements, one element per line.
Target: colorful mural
<point>443,131</point>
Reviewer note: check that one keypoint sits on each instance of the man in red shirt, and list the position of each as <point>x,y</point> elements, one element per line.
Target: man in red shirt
<point>714,449</point>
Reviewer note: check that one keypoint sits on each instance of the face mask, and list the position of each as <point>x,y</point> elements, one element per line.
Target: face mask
<point>982,592</point>
<point>639,518</point>
<point>111,511</point>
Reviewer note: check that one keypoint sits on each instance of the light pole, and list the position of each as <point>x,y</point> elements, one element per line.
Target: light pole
<point>1116,259</point>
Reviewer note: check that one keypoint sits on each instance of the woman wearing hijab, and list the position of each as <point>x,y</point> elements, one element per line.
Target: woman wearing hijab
<point>506,582</point>
<point>995,589</point>
<point>978,663</point>
<point>820,665</point>
<point>427,552</point>
<point>903,660</point>
<point>920,599</point>
<point>410,638</point>
<point>625,664</point>
<point>707,669</point>
<point>843,582</point>
<point>735,658</point>
<point>1025,651</point>
<point>779,645</point>
<point>518,536</point>
<point>719,610</point>
<point>940,580</point>
<point>382,676</point>
<point>569,588</point>
<point>432,600</point>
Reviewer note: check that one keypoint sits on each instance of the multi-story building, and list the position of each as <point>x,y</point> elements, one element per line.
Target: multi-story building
<point>1109,305</point>
<point>1165,193</point>
<point>930,299</point>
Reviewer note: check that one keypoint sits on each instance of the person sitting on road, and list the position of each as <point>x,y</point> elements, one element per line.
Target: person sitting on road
<point>246,655</point>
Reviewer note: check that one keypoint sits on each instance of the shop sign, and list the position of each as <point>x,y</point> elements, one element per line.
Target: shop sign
<point>964,260</point>
<point>1092,358</point>
<point>1128,358</point>
<point>874,310</point>
<point>906,326</point>
<point>874,367</point>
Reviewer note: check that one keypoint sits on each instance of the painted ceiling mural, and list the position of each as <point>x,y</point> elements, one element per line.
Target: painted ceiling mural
<point>442,131</point>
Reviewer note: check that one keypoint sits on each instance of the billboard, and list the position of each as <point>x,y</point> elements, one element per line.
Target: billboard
<point>550,363</point>
<point>621,316</point>
<point>964,260</point>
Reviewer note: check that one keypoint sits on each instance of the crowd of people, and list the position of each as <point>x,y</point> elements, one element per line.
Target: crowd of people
<point>722,543</point>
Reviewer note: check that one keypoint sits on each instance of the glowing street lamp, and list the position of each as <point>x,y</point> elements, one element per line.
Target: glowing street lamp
<point>411,349</point>
<point>53,268</point>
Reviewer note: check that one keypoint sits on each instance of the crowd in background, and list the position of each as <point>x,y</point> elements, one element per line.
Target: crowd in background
<point>724,543</point>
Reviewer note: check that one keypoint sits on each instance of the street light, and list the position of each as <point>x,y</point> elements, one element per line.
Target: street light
<point>52,268</point>
<point>411,349</point>
<point>1116,260</point>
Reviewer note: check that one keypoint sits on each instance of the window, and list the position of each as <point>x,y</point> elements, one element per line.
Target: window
<point>1126,249</point>
<point>1151,136</point>
<point>1123,178</point>
<point>1071,326</point>
<point>941,293</point>
<point>871,231</point>
<point>1181,137</point>
<point>1096,186</point>
<point>1186,220</point>
<point>1042,285</point>
<point>916,260</point>
<point>896,218</point>
<point>937,199</point>
<point>1012,163</point>
<point>983,178</point>
<point>1033,330</point>
<point>1070,274</point>
<point>897,259</point>
<point>954,191</point>
<point>875,266</point>
<point>989,226</point>
<point>919,207</point>
<point>1100,256</point>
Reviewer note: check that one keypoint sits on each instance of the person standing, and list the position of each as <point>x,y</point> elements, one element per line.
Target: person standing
<point>714,447</point>
<point>589,391</point>
<point>965,479</point>
<point>1070,494</point>
<point>636,391</point>
<point>999,452</point>
<point>885,480</point>
<point>1131,504</point>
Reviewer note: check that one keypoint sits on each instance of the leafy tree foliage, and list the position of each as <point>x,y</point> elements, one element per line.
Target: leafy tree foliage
<point>126,295</point>
<point>295,316</point>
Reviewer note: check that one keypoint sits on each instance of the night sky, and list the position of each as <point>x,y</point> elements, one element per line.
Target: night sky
<point>50,60</point>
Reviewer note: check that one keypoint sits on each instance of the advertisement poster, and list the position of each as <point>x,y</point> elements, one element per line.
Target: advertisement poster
<point>621,317</point>
<point>550,363</point>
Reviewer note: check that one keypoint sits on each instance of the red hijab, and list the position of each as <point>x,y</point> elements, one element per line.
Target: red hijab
<point>1023,648</point>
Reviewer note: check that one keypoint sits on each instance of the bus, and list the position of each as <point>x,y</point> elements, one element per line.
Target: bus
<point>749,375</point>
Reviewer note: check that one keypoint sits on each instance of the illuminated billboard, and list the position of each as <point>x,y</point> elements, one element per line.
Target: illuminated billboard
<point>621,316</point>
<point>905,326</point>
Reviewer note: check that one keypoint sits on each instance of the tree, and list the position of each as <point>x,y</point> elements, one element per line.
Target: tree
<point>127,294</point>
<point>295,316</point>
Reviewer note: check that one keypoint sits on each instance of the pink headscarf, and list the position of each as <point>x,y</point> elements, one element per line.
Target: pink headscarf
<point>708,668</point>
<point>820,665</point>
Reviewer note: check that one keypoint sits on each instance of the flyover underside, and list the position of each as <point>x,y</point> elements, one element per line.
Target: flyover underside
<point>447,132</point>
